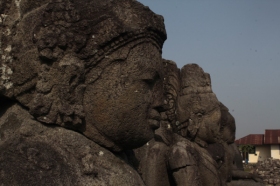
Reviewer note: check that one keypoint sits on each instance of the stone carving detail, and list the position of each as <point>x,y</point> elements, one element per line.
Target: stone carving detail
<point>93,67</point>
<point>64,43</point>
<point>152,159</point>
<point>83,83</point>
<point>198,126</point>
<point>201,151</point>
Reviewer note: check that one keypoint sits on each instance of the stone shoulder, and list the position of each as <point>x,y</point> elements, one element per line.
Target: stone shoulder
<point>55,155</point>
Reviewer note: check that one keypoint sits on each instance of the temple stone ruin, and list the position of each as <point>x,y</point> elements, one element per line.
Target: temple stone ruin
<point>268,170</point>
<point>86,99</point>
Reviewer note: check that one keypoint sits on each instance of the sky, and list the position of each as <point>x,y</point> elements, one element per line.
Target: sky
<point>238,43</point>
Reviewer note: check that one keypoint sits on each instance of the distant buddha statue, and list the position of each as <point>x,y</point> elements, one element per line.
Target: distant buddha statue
<point>198,124</point>
<point>178,155</point>
<point>152,160</point>
<point>220,150</point>
<point>81,82</point>
<point>227,155</point>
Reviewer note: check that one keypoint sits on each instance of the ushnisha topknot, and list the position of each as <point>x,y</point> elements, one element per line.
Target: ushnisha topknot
<point>65,39</point>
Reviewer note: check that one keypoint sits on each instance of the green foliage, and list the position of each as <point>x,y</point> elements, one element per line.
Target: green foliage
<point>247,148</point>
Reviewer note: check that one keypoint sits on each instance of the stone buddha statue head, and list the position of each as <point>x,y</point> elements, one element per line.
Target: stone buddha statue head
<point>91,66</point>
<point>198,111</point>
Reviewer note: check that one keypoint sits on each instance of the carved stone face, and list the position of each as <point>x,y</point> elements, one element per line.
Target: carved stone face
<point>209,116</point>
<point>122,103</point>
<point>204,112</point>
<point>71,49</point>
<point>199,112</point>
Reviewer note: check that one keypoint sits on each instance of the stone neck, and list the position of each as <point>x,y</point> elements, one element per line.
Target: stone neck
<point>93,134</point>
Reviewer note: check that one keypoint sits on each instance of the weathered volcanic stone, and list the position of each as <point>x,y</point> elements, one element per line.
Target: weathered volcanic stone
<point>172,159</point>
<point>83,83</point>
<point>34,154</point>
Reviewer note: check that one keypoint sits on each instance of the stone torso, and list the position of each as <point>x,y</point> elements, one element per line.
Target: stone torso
<point>200,166</point>
<point>33,154</point>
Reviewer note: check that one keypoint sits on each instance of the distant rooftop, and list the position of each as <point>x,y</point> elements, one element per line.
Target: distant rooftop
<point>271,136</point>
<point>251,139</point>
